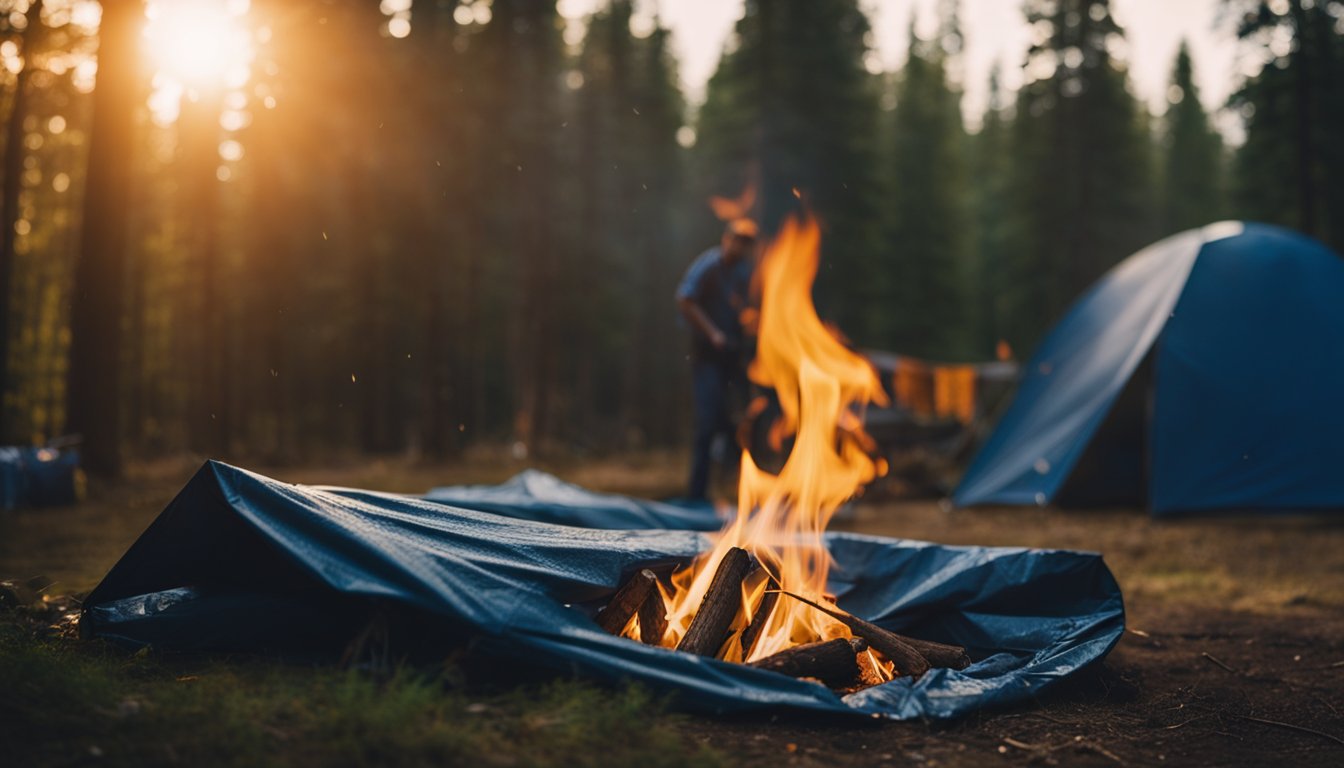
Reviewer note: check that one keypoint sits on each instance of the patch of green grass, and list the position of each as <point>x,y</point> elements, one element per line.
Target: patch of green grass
<point>64,701</point>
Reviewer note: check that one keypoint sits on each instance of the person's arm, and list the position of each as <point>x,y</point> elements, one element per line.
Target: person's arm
<point>690,287</point>
<point>701,322</point>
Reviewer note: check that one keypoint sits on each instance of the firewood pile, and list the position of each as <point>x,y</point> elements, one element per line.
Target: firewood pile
<point>834,663</point>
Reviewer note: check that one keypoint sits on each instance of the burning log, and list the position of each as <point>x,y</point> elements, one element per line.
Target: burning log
<point>833,662</point>
<point>868,672</point>
<point>628,599</point>
<point>722,601</point>
<point>938,654</point>
<point>652,618</point>
<point>908,661</point>
<point>758,620</point>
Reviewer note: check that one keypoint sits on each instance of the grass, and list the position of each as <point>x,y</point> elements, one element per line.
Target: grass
<point>63,701</point>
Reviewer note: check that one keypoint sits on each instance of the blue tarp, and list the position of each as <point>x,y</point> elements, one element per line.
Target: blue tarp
<point>534,495</point>
<point>38,477</point>
<point>1244,324</point>
<point>242,562</point>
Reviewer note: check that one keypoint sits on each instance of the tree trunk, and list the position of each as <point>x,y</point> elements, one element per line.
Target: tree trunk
<point>198,128</point>
<point>94,391</point>
<point>271,205</point>
<point>9,213</point>
<point>436,367</point>
<point>1308,53</point>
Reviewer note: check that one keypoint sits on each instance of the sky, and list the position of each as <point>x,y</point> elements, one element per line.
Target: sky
<point>995,30</point>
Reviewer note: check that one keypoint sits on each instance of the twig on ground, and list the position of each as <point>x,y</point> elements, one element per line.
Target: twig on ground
<point>1215,660</point>
<point>1043,751</point>
<point>1044,716</point>
<point>1292,727</point>
<point>1100,750</point>
<point>1327,704</point>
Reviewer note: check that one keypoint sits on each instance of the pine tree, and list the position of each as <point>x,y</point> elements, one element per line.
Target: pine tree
<point>1192,193</point>
<point>599,301</point>
<point>629,167</point>
<point>519,98</point>
<point>792,107</point>
<point>1080,182</point>
<point>441,52</point>
<point>990,202</point>
<point>926,251</point>
<point>652,382</point>
<point>1289,169</point>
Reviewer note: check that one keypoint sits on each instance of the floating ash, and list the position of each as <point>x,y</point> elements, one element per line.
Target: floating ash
<point>726,603</point>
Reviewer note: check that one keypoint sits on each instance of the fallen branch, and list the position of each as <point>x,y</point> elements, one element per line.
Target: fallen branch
<point>908,661</point>
<point>722,601</point>
<point>626,601</point>
<point>833,662</point>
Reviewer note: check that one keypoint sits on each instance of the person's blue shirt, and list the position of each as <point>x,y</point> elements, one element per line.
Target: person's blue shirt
<point>721,290</point>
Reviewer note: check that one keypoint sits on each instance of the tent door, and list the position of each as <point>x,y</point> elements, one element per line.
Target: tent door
<point>1113,470</point>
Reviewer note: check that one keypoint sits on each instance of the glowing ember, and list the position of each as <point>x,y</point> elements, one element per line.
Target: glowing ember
<point>822,387</point>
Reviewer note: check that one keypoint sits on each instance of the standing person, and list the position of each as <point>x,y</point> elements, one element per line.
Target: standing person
<point>712,296</point>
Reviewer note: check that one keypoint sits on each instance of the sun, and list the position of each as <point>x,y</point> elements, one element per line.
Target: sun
<point>199,44</point>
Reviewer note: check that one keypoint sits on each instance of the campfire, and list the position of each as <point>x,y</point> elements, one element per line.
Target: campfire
<point>240,562</point>
<point>759,596</point>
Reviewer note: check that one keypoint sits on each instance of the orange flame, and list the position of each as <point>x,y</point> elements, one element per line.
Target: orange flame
<point>730,208</point>
<point>822,387</point>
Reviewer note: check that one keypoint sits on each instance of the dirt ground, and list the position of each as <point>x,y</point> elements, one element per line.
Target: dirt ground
<point>1234,654</point>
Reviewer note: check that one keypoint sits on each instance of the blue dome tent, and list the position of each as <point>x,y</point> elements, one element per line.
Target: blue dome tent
<point>1205,372</point>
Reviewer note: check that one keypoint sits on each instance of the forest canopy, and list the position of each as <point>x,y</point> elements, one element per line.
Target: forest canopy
<point>285,228</point>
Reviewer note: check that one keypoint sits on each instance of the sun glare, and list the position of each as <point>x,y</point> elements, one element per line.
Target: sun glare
<point>199,44</point>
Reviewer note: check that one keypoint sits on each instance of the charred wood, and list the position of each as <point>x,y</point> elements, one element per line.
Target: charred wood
<point>722,601</point>
<point>626,601</point>
<point>759,619</point>
<point>652,618</point>
<point>833,662</point>
<point>908,661</point>
<point>938,654</point>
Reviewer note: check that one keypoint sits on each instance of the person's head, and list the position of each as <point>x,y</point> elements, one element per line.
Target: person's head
<point>739,237</point>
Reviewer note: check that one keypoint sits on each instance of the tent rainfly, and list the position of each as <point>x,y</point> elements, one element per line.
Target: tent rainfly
<point>1203,373</point>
